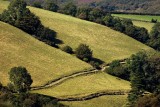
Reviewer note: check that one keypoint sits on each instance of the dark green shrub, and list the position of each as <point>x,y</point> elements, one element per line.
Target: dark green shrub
<point>1,85</point>
<point>51,5</point>
<point>83,52</point>
<point>95,64</point>
<point>20,79</point>
<point>154,20</point>
<point>67,49</point>
<point>118,70</point>
<point>37,4</point>
<point>155,37</point>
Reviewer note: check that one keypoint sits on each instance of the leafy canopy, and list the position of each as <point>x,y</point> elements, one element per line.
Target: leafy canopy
<point>84,52</point>
<point>20,79</point>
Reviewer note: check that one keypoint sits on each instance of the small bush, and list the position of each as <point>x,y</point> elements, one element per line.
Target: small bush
<point>84,52</point>
<point>67,49</point>
<point>118,70</point>
<point>1,86</point>
<point>94,64</point>
<point>154,20</point>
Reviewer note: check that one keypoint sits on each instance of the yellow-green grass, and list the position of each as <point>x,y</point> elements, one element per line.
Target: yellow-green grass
<point>137,17</point>
<point>146,25</point>
<point>106,43</point>
<point>104,101</point>
<point>3,5</point>
<point>43,62</point>
<point>85,85</point>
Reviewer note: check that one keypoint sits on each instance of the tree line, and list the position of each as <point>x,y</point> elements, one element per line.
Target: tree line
<point>84,53</point>
<point>21,17</point>
<point>98,15</point>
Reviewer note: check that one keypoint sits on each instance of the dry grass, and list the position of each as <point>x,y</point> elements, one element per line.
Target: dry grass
<point>42,61</point>
<point>137,17</point>
<point>104,101</point>
<point>146,25</point>
<point>46,63</point>
<point>106,43</point>
<point>86,84</point>
<point>3,5</point>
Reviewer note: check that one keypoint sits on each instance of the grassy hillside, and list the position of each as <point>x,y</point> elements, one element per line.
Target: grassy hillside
<point>45,63</point>
<point>140,20</point>
<point>146,25</point>
<point>86,84</point>
<point>3,5</point>
<point>137,17</point>
<point>104,101</point>
<point>106,43</point>
<point>42,61</point>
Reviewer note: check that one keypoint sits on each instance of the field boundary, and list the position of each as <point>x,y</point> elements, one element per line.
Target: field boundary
<point>81,97</point>
<point>134,19</point>
<point>62,79</point>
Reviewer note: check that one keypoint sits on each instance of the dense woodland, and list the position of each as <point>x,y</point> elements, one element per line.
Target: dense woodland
<point>143,71</point>
<point>127,6</point>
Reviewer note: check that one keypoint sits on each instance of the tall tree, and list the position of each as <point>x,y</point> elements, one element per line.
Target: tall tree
<point>20,79</point>
<point>155,37</point>
<point>137,76</point>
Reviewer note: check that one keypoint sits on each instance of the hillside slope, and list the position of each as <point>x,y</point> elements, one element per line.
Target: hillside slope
<point>42,61</point>
<point>84,85</point>
<point>107,44</point>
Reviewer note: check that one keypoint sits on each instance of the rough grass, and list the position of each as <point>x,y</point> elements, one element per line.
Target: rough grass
<point>137,17</point>
<point>3,5</point>
<point>86,84</point>
<point>104,101</point>
<point>106,43</point>
<point>146,25</point>
<point>42,61</point>
<point>140,20</point>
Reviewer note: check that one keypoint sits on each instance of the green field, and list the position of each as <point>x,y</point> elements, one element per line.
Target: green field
<point>107,44</point>
<point>146,25</point>
<point>104,101</point>
<point>86,84</point>
<point>42,61</point>
<point>3,5</point>
<point>46,63</point>
<point>140,20</point>
<point>137,17</point>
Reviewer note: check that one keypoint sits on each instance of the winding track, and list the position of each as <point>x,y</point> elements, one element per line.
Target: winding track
<point>82,97</point>
<point>62,79</point>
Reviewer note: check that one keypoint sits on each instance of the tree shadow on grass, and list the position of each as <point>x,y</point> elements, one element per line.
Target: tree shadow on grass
<point>98,60</point>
